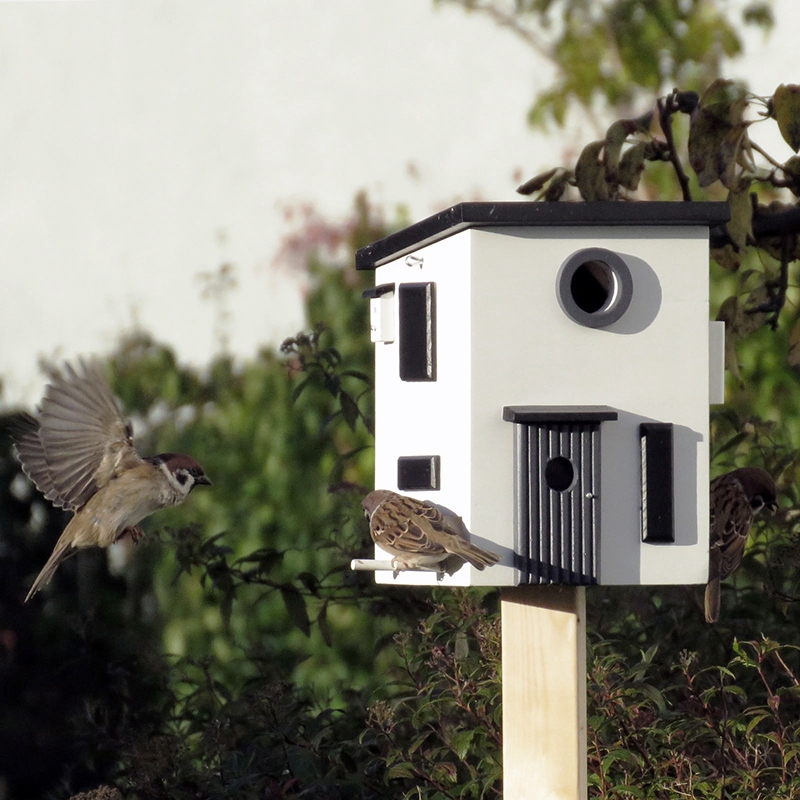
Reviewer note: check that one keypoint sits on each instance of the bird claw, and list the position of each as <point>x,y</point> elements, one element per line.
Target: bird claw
<point>135,532</point>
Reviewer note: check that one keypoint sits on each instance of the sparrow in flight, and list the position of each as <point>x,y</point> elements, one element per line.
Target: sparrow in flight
<point>79,452</point>
<point>417,534</point>
<point>736,498</point>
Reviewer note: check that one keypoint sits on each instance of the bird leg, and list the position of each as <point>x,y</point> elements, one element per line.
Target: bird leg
<point>135,532</point>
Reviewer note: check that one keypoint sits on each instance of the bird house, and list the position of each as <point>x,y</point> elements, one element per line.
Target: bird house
<point>544,371</point>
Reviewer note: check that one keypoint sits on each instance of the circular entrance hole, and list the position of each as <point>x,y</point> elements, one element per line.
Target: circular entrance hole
<point>559,474</point>
<point>594,287</point>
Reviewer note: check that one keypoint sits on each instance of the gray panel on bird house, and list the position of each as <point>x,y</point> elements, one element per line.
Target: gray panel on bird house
<point>417,313</point>
<point>658,518</point>
<point>557,493</point>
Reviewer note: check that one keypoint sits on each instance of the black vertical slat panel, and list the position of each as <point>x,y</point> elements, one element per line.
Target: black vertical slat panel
<point>538,507</point>
<point>552,522</point>
<point>588,500</point>
<point>571,537</point>
<point>548,533</point>
<point>522,508</point>
<point>561,527</point>
<point>563,498</point>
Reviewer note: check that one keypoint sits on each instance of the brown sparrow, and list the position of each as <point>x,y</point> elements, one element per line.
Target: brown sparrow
<point>419,535</point>
<point>80,454</point>
<point>736,498</point>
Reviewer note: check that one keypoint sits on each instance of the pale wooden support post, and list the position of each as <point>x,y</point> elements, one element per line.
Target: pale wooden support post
<point>544,693</point>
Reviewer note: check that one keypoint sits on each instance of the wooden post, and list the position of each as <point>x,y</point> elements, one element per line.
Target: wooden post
<point>544,693</point>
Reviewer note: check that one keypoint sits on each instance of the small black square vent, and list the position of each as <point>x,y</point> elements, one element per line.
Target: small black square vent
<point>418,473</point>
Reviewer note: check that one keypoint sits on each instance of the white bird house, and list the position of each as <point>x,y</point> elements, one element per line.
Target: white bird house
<point>544,370</point>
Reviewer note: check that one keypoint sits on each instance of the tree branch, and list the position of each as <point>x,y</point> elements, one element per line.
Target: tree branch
<point>666,108</point>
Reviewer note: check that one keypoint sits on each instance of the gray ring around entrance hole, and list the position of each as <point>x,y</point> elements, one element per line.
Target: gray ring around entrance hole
<point>594,287</point>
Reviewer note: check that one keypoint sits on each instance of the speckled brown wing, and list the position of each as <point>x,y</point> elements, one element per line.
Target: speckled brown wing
<point>732,517</point>
<point>417,533</point>
<point>80,440</point>
<point>730,520</point>
<point>401,525</point>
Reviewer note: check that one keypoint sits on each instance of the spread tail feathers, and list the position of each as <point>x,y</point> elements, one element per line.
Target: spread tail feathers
<point>712,600</point>
<point>479,558</point>
<point>63,550</point>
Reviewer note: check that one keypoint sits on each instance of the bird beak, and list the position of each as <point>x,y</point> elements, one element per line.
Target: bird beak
<point>772,508</point>
<point>203,479</point>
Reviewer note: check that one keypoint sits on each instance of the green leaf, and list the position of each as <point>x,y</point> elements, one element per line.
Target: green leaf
<point>322,624</point>
<point>557,186</point>
<point>786,108</point>
<point>717,133</point>
<point>731,443</point>
<point>725,100</point>
<point>298,390</point>
<point>655,695</point>
<point>296,607</point>
<point>536,183</point>
<point>266,558</point>
<point>794,346</point>
<point>350,410</point>
<point>631,166</point>
<point>310,581</point>
<point>399,771</point>
<point>461,743</point>
<point>359,375</point>
<point>759,717</point>
<point>590,174</point>
<point>616,135</point>
<point>302,764</point>
<point>740,226</point>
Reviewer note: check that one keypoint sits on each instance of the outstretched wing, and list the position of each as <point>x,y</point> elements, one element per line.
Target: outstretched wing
<point>80,441</point>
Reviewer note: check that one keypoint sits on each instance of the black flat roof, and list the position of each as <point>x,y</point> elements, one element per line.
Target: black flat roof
<point>488,215</point>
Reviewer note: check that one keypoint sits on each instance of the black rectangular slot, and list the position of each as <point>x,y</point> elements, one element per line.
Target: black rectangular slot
<point>418,473</point>
<point>658,519</point>
<point>417,309</point>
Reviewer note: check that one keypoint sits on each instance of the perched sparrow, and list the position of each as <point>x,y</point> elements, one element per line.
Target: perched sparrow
<point>736,498</point>
<point>80,455</point>
<point>418,535</point>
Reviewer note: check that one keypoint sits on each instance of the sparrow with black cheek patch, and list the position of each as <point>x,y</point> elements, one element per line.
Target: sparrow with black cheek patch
<point>736,498</point>
<point>418,534</point>
<point>80,454</point>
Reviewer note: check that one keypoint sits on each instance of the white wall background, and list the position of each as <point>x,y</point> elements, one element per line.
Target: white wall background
<point>143,142</point>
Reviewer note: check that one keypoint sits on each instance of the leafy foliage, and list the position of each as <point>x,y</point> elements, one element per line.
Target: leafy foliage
<point>728,730</point>
<point>614,53</point>
<point>441,728</point>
